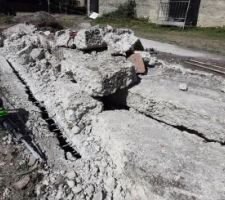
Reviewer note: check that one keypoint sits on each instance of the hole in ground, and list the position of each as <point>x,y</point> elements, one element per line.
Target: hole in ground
<point>115,101</point>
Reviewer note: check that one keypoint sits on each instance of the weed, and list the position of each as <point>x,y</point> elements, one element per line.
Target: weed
<point>127,10</point>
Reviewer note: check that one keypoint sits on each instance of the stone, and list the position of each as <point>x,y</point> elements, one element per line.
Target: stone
<point>90,190</point>
<point>62,37</point>
<point>90,39</point>
<point>161,161</point>
<point>32,160</point>
<point>19,30</point>
<point>77,189</point>
<point>45,42</point>
<point>37,54</point>
<point>71,175</point>
<point>121,41</point>
<point>148,59</point>
<point>22,183</point>
<point>70,183</point>
<point>100,74</point>
<point>98,195</point>
<point>70,157</point>
<point>137,61</point>
<point>183,87</point>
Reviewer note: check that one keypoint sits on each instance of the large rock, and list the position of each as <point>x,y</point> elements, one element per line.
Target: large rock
<point>162,162</point>
<point>99,74</point>
<point>62,39</point>
<point>89,39</point>
<point>121,41</point>
<point>200,109</point>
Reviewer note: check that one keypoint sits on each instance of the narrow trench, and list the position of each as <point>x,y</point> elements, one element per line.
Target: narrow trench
<point>52,126</point>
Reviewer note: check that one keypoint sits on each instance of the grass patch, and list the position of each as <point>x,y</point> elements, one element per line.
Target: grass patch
<point>208,39</point>
<point>6,19</point>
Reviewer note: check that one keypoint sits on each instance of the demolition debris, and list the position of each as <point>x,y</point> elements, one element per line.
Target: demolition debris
<point>167,144</point>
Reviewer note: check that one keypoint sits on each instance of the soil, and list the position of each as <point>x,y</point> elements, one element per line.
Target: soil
<point>15,165</point>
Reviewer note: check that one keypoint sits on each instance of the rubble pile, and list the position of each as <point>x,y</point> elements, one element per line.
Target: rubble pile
<point>155,149</point>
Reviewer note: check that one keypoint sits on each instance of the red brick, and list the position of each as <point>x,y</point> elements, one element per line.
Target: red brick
<point>138,62</point>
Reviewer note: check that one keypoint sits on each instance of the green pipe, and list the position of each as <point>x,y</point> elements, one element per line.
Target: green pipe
<point>3,112</point>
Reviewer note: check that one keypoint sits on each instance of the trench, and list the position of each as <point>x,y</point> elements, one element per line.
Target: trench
<point>52,126</point>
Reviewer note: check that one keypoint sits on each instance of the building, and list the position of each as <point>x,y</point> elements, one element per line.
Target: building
<point>205,13</point>
<point>57,6</point>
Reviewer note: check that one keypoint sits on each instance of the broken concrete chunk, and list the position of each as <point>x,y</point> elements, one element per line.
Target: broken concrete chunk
<point>164,163</point>
<point>183,87</point>
<point>99,74</point>
<point>46,42</point>
<point>19,30</point>
<point>137,61</point>
<point>121,41</point>
<point>89,39</point>
<point>62,37</point>
<point>194,110</point>
<point>22,183</point>
<point>148,59</point>
<point>37,54</point>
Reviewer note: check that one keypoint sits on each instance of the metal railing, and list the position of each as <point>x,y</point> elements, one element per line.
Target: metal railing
<point>173,12</point>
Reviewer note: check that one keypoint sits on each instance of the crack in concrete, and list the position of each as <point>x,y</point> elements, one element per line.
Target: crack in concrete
<point>185,129</point>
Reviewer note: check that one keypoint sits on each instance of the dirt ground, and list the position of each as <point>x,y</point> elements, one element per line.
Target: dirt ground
<point>18,171</point>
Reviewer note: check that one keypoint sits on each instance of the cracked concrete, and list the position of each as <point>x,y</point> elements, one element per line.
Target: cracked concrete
<point>201,108</point>
<point>162,162</point>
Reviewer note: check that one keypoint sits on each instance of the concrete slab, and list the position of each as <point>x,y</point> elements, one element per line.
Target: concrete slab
<point>200,109</point>
<point>161,162</point>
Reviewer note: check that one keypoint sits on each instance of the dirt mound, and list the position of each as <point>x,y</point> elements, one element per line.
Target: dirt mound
<point>42,20</point>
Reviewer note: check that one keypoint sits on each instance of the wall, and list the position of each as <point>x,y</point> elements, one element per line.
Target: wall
<point>145,8</point>
<point>211,13</point>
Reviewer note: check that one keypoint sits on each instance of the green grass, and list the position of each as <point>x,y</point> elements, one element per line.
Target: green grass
<point>209,39</point>
<point>5,19</point>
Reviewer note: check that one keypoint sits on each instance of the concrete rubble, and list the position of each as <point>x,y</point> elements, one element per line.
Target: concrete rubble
<point>121,41</point>
<point>156,149</point>
<point>102,76</point>
<point>88,39</point>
